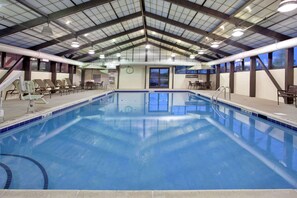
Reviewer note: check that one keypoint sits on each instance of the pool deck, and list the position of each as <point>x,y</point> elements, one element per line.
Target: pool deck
<point>148,194</point>
<point>16,110</point>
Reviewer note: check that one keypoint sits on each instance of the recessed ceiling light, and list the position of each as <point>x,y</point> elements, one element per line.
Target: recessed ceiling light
<point>87,34</point>
<point>147,47</point>
<point>172,54</point>
<point>153,33</point>
<point>178,41</point>
<point>114,40</point>
<point>68,22</point>
<point>249,9</point>
<point>222,27</point>
<point>118,55</point>
<point>287,5</point>
<point>192,56</point>
<point>238,60</point>
<point>237,32</point>
<point>201,52</point>
<point>142,31</point>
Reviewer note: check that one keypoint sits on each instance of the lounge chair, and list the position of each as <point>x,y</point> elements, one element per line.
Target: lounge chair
<point>63,87</point>
<point>191,85</point>
<point>28,93</point>
<point>69,84</point>
<point>50,84</point>
<point>42,88</point>
<point>291,93</point>
<point>14,90</point>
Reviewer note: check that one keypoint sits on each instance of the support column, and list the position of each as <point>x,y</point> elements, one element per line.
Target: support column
<point>207,75</point>
<point>289,71</point>
<point>253,77</point>
<point>269,60</point>
<point>118,83</point>
<point>54,71</point>
<point>231,77</point>
<point>27,68</point>
<point>70,70</point>
<point>83,77</point>
<point>218,70</point>
<point>3,57</point>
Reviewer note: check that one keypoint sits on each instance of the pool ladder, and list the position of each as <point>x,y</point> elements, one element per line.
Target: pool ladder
<point>218,92</point>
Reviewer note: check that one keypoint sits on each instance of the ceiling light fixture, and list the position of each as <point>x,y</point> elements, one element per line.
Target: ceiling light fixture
<point>75,44</point>
<point>201,52</point>
<point>102,56</point>
<point>178,41</point>
<point>147,46</point>
<point>68,22</point>
<point>172,55</point>
<point>238,60</point>
<point>91,51</point>
<point>118,55</point>
<point>114,40</point>
<point>215,44</point>
<point>237,32</point>
<point>287,5</point>
<point>249,9</point>
<point>86,34</point>
<point>153,33</point>
<point>192,56</point>
<point>47,30</point>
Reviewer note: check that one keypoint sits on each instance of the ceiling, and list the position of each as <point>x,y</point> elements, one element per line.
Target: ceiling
<point>112,26</point>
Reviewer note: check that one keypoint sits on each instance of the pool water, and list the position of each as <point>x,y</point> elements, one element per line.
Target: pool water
<point>150,141</point>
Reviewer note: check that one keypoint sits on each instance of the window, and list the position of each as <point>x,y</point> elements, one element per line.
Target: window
<point>278,59</point>
<point>264,58</point>
<point>11,59</point>
<point>159,77</point>
<point>64,68</point>
<point>222,68</point>
<point>238,65</point>
<point>44,66</point>
<point>295,56</point>
<point>247,64</point>
<point>184,70</point>
<point>202,71</point>
<point>34,64</point>
<point>227,67</point>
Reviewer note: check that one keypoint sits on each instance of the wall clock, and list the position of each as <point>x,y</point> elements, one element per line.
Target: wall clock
<point>129,70</point>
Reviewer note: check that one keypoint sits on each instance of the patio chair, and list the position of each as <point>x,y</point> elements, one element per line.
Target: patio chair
<point>290,93</point>
<point>14,90</point>
<point>191,85</point>
<point>28,93</point>
<point>42,88</point>
<point>50,84</point>
<point>63,87</point>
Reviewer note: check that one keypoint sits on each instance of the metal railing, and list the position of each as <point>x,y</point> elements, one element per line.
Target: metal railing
<point>219,91</point>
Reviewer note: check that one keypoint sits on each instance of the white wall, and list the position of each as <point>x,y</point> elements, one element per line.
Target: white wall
<point>242,83</point>
<point>132,81</point>
<point>77,76</point>
<point>62,76</point>
<point>41,75</point>
<point>295,76</point>
<point>265,88</point>
<point>224,79</point>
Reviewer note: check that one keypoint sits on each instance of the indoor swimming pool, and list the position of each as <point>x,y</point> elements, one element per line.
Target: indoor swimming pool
<point>149,141</point>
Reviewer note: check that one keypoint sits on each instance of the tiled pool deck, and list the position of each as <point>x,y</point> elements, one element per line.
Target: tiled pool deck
<point>16,111</point>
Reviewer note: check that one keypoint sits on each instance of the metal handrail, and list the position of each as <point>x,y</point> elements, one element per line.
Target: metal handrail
<point>218,93</point>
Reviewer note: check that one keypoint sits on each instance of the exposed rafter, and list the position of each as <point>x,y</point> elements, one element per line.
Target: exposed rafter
<point>100,41</point>
<point>198,31</point>
<point>174,51</point>
<point>178,46</point>
<point>52,17</point>
<point>230,19</point>
<point>85,31</point>
<point>142,7</point>
<point>188,41</point>
<point>111,47</point>
<point>117,51</point>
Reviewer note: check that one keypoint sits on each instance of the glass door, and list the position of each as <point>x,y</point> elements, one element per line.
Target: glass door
<point>159,77</point>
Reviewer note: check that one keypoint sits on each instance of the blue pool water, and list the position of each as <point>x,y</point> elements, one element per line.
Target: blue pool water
<point>145,141</point>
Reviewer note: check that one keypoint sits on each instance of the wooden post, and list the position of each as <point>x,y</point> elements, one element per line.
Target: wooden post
<point>289,71</point>
<point>83,77</point>
<point>54,71</point>
<point>269,60</point>
<point>218,69</point>
<point>3,57</point>
<point>70,71</point>
<point>27,68</point>
<point>231,77</point>
<point>253,77</point>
